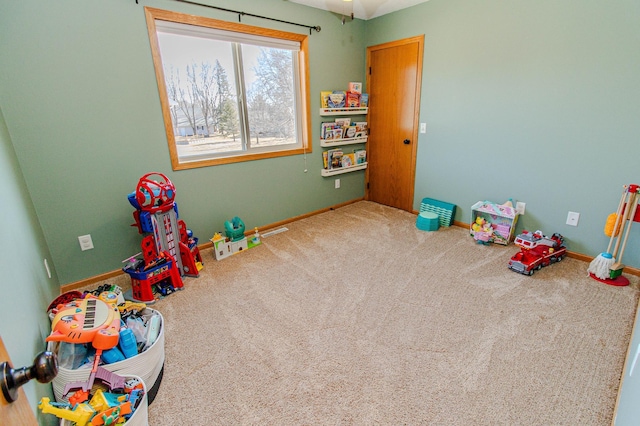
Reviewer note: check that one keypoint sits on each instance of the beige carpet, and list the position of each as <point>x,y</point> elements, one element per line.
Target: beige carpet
<point>354,316</point>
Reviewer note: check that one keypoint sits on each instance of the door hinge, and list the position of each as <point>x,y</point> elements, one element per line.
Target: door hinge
<point>369,70</point>
<point>367,185</point>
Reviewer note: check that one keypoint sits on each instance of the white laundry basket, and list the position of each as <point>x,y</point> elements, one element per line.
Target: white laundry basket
<point>147,365</point>
<point>140,416</point>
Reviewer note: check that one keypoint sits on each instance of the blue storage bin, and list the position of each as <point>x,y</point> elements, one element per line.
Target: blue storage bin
<point>428,221</point>
<point>445,210</point>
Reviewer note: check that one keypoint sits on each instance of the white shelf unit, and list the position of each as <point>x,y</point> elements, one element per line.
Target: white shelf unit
<point>345,141</point>
<point>326,143</point>
<point>502,218</point>
<point>341,170</point>
<point>344,111</point>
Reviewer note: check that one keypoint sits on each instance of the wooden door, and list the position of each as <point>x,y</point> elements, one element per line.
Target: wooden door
<point>393,83</point>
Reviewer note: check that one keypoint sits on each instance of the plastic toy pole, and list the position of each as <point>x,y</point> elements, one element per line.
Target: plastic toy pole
<point>631,197</point>
<point>618,217</point>
<point>634,199</point>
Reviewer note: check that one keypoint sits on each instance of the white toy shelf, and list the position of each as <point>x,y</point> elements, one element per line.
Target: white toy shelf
<point>503,219</point>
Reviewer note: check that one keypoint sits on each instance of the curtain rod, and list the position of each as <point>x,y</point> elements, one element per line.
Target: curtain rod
<point>240,14</point>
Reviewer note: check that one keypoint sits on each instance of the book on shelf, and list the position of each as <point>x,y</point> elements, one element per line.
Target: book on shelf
<point>324,127</point>
<point>349,132</point>
<point>353,100</point>
<point>343,121</point>
<point>348,160</point>
<point>337,99</point>
<point>324,98</point>
<point>361,126</point>
<point>334,158</point>
<point>364,100</point>
<point>337,159</point>
<point>343,128</point>
<point>327,130</point>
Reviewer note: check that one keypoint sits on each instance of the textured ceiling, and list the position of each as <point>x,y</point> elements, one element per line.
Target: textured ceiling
<point>362,9</point>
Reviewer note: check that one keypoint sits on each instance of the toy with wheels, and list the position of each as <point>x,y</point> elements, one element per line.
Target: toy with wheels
<point>536,251</point>
<point>157,216</point>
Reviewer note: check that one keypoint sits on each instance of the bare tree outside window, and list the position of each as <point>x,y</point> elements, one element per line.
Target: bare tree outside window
<point>271,98</point>
<point>230,94</point>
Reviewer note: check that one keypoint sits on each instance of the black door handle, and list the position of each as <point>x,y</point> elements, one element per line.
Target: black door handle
<point>407,141</point>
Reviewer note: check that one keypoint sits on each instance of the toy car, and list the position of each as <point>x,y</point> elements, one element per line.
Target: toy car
<point>536,250</point>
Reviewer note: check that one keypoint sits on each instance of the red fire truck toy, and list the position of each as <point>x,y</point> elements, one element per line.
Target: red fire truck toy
<point>537,250</point>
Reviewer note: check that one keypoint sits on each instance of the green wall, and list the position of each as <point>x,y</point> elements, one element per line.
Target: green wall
<point>81,103</point>
<point>26,289</point>
<point>535,101</point>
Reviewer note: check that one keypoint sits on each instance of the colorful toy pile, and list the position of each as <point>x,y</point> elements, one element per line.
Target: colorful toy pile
<point>117,406</point>
<point>169,249</point>
<point>482,231</point>
<point>89,332</point>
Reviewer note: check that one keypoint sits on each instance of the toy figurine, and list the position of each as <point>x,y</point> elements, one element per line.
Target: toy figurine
<point>482,231</point>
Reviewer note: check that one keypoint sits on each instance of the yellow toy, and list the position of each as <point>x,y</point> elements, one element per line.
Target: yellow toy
<point>129,306</point>
<point>80,415</point>
<point>478,224</point>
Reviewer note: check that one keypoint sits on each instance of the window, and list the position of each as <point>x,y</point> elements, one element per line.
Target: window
<point>229,92</point>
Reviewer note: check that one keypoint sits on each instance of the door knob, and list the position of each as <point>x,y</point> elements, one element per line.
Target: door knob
<point>406,141</point>
<point>44,370</point>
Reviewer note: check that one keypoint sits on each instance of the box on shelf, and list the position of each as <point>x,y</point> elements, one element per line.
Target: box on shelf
<point>503,219</point>
<point>355,87</point>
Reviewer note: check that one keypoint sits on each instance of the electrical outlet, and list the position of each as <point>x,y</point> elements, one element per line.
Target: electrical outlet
<point>423,127</point>
<point>337,183</point>
<point>572,218</point>
<point>85,242</point>
<point>520,207</point>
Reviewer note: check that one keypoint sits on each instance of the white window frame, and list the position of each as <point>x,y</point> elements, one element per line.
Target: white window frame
<point>164,19</point>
